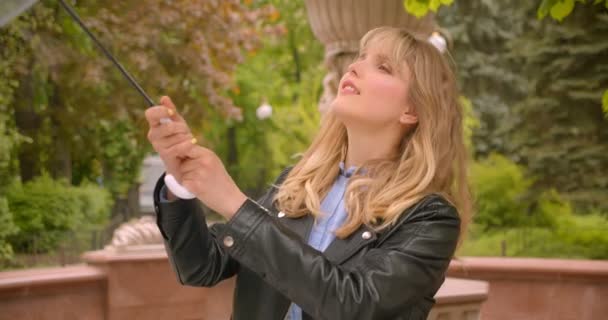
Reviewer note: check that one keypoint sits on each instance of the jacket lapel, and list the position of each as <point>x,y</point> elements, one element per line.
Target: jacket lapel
<point>340,249</point>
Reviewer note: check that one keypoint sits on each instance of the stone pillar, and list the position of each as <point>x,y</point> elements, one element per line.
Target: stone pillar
<point>340,24</point>
<point>141,285</point>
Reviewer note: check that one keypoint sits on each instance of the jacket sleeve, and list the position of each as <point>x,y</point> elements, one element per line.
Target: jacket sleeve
<point>193,253</point>
<point>409,265</point>
<point>192,247</point>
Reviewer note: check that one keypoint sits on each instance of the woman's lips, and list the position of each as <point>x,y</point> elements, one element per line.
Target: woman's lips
<point>348,87</point>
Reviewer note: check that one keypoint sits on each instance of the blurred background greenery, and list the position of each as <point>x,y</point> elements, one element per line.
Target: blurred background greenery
<point>72,133</point>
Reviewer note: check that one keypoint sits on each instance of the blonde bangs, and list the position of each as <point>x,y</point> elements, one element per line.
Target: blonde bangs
<point>399,47</point>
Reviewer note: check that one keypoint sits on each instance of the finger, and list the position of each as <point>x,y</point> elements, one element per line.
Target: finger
<point>167,130</point>
<point>155,113</point>
<point>182,149</point>
<point>170,141</point>
<point>200,152</point>
<point>168,103</point>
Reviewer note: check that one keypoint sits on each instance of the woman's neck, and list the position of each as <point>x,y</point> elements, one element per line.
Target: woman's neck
<point>365,146</point>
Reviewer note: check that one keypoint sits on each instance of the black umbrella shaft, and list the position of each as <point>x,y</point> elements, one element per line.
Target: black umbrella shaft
<point>107,53</point>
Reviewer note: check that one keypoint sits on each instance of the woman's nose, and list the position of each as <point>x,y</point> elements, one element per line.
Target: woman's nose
<point>352,68</point>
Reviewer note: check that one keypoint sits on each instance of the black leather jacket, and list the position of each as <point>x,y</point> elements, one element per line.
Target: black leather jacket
<point>389,275</point>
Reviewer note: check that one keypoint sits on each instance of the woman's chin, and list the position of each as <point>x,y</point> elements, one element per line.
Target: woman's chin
<point>347,115</point>
<point>341,108</point>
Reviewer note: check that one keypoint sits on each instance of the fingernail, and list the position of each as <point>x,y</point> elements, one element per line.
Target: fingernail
<point>170,112</point>
<point>193,140</point>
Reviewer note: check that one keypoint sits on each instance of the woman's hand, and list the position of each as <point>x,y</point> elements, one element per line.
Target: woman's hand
<point>204,174</point>
<point>171,140</point>
<point>196,168</point>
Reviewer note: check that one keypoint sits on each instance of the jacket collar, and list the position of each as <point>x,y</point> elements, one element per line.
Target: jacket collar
<point>341,249</point>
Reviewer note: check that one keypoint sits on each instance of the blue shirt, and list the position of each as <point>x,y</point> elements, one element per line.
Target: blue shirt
<point>322,233</point>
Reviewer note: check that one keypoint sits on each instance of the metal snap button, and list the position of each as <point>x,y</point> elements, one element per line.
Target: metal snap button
<point>366,235</point>
<point>281,214</point>
<point>228,241</point>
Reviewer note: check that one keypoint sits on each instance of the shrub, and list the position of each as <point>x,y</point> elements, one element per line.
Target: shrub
<point>499,186</point>
<point>585,235</point>
<point>575,236</point>
<point>8,139</point>
<point>503,197</point>
<point>7,228</point>
<point>45,210</point>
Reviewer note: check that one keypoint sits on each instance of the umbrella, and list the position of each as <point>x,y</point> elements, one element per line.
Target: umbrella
<point>9,9</point>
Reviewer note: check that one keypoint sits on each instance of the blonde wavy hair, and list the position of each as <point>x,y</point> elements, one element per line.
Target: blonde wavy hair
<point>432,157</point>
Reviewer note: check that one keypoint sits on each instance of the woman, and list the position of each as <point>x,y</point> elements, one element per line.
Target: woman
<point>363,226</point>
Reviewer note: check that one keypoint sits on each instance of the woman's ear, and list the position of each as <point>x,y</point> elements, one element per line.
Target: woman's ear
<point>408,117</point>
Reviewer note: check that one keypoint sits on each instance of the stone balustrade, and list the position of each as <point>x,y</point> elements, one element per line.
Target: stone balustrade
<point>539,289</point>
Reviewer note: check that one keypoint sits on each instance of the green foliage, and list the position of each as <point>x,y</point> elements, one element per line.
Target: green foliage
<point>59,91</point>
<point>286,73</point>
<point>7,229</point>
<point>512,220</point>
<point>420,8</point>
<point>575,236</point>
<point>605,103</point>
<point>9,139</point>
<point>559,9</point>
<point>536,87</point>
<point>504,199</point>
<point>471,122</point>
<point>499,186</point>
<point>122,154</point>
<point>548,209</point>
<point>45,210</point>
<point>586,235</point>
<point>296,124</point>
<point>95,203</point>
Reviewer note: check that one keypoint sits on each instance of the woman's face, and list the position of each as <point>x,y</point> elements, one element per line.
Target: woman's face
<point>373,93</point>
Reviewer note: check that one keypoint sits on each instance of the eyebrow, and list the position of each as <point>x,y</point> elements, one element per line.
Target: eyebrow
<point>381,57</point>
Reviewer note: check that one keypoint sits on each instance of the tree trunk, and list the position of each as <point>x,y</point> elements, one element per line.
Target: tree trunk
<point>28,122</point>
<point>133,201</point>
<point>60,165</point>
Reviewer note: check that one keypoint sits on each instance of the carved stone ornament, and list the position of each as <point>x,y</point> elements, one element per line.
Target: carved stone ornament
<point>137,233</point>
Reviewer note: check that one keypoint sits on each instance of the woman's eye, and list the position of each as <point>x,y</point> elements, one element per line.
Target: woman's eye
<point>384,68</point>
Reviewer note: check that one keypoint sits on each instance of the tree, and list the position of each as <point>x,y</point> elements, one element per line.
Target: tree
<point>286,72</point>
<point>83,118</point>
<point>536,86</point>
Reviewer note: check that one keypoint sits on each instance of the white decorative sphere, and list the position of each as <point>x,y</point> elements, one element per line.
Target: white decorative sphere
<point>264,111</point>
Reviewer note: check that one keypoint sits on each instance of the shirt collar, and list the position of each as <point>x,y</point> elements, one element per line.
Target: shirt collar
<point>346,173</point>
